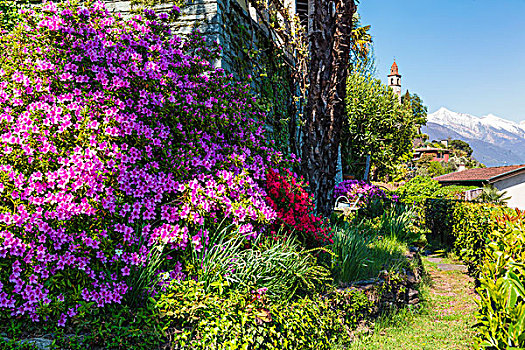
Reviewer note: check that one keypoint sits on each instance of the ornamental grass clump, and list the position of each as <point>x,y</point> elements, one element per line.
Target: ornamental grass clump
<point>116,136</point>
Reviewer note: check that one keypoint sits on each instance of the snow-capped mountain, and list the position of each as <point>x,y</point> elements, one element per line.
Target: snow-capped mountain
<point>495,141</point>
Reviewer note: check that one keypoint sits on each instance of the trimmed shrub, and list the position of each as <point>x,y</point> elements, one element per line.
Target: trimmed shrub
<point>472,226</point>
<point>439,219</point>
<point>417,190</point>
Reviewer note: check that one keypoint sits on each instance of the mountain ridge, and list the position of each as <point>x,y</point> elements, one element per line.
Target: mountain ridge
<point>495,141</point>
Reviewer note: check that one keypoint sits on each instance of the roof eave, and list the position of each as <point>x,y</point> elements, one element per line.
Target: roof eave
<point>506,175</point>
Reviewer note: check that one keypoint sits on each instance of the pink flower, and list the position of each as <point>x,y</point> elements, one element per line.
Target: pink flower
<point>125,271</point>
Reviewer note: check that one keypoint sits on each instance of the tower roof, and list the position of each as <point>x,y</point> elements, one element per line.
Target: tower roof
<point>394,69</point>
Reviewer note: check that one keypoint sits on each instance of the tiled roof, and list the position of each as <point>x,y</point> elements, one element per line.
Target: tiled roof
<point>394,69</point>
<point>430,149</point>
<point>478,174</point>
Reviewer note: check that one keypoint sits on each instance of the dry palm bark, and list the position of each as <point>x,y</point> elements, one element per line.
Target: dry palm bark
<point>330,39</point>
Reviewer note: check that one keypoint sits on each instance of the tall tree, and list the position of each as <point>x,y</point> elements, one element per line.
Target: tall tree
<point>361,55</point>
<point>376,125</point>
<point>330,39</point>
<point>415,104</point>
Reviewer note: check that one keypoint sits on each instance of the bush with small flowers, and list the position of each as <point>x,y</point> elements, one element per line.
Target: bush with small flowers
<point>287,195</point>
<point>116,137</point>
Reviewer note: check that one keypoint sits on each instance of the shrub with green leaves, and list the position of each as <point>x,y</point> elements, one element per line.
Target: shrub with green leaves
<point>472,226</point>
<point>439,219</point>
<point>452,192</point>
<point>9,15</point>
<point>501,317</point>
<point>195,319</point>
<point>417,190</point>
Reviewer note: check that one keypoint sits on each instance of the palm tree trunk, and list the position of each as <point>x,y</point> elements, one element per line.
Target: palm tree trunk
<point>330,32</point>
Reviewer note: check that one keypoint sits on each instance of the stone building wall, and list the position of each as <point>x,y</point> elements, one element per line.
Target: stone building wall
<point>218,20</point>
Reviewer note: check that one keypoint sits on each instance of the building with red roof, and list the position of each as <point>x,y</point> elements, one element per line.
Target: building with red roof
<point>436,154</point>
<point>509,178</point>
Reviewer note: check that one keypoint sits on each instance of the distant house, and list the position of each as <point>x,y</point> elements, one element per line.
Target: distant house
<point>437,154</point>
<point>505,178</point>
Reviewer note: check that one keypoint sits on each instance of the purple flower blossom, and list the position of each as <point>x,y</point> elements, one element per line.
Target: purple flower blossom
<point>116,151</point>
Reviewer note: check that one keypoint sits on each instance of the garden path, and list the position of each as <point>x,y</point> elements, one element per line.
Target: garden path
<point>446,320</point>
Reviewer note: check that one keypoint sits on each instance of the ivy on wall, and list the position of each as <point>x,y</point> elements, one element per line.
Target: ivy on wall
<point>254,57</point>
<point>273,53</point>
<point>8,14</point>
<point>139,4</point>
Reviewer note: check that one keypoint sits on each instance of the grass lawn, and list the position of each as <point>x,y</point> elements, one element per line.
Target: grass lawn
<point>444,322</point>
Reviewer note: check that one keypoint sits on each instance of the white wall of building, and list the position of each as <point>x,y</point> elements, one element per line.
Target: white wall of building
<point>515,187</point>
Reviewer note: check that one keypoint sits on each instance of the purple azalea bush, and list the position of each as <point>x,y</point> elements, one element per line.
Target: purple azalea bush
<point>352,189</point>
<point>116,137</point>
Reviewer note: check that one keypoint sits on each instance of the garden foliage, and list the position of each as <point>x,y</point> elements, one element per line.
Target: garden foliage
<point>280,266</point>
<point>472,227</point>
<point>8,14</point>
<point>490,240</point>
<point>418,189</point>
<point>198,320</point>
<point>501,318</point>
<point>464,226</point>
<point>367,246</point>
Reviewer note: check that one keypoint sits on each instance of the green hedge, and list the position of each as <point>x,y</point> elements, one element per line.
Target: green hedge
<point>439,219</point>
<point>491,241</point>
<point>471,227</point>
<point>198,320</point>
<point>463,226</point>
<point>501,315</point>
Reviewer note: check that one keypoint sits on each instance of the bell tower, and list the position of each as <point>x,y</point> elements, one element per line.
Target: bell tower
<point>394,80</point>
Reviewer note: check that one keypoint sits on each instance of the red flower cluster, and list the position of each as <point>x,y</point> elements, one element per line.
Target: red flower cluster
<point>294,207</point>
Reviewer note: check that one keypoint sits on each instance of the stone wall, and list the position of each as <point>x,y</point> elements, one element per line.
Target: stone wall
<point>219,21</point>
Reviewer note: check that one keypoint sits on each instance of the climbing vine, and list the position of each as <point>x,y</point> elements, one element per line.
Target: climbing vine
<point>279,54</point>
<point>8,14</point>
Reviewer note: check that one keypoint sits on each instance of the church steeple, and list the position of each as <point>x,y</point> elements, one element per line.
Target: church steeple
<point>394,80</point>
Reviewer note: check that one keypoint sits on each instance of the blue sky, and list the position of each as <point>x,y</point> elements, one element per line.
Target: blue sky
<point>465,55</point>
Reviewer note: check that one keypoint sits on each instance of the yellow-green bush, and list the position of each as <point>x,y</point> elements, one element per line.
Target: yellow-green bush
<point>472,225</point>
<point>501,317</point>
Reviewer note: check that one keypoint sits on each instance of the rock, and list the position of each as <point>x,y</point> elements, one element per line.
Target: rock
<point>412,293</point>
<point>413,301</point>
<point>39,343</point>
<point>411,279</point>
